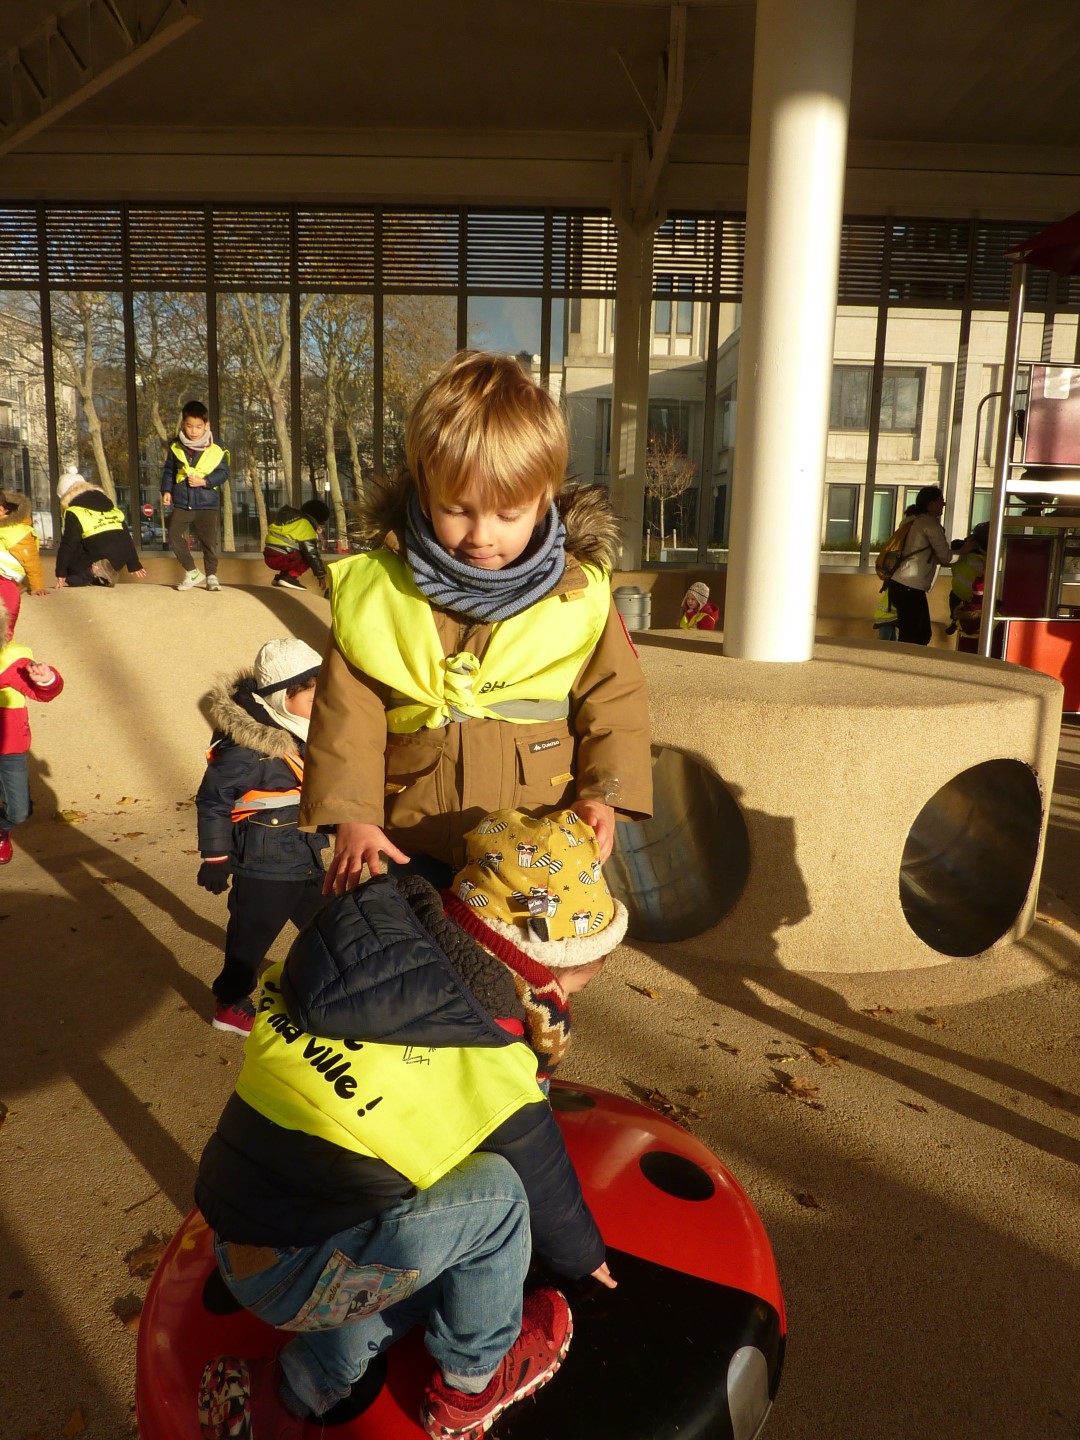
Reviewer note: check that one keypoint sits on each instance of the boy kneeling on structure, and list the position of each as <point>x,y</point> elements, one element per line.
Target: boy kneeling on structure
<point>292,544</point>
<point>389,1158</point>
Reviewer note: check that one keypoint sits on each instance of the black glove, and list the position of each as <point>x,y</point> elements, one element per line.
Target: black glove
<point>214,875</point>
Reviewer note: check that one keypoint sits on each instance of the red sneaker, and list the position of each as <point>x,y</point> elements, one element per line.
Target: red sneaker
<point>6,849</point>
<point>237,1017</point>
<point>534,1357</point>
<point>238,1400</point>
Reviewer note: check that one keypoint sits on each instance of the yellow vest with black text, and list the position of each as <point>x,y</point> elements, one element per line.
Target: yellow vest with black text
<point>206,464</point>
<point>97,522</point>
<point>384,626</point>
<point>419,1109</point>
<point>10,698</point>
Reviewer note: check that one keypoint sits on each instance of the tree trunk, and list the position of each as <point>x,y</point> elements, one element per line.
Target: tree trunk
<point>354,456</point>
<point>228,534</point>
<point>93,425</point>
<point>259,497</point>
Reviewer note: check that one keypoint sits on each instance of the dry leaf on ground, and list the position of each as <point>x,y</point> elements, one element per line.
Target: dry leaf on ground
<point>784,1059</point>
<point>822,1055</point>
<point>75,1425</point>
<point>133,834</point>
<point>70,817</point>
<point>698,1094</point>
<point>126,800</point>
<point>808,1201</point>
<point>797,1087</point>
<point>723,1045</point>
<point>1048,919</point>
<point>911,1105</point>
<point>128,1309</point>
<point>143,1260</point>
<point>877,1011</point>
<point>935,1020</point>
<point>681,1114</point>
<point>644,990</point>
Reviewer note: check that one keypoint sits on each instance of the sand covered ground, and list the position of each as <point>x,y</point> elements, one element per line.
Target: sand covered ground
<point>924,1208</point>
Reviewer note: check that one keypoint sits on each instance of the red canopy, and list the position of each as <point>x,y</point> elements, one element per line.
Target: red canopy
<point>1055,248</point>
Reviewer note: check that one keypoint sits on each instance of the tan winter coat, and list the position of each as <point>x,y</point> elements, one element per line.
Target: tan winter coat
<point>426,789</point>
<point>26,549</point>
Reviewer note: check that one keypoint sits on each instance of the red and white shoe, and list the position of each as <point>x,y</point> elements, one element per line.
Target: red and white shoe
<point>6,848</point>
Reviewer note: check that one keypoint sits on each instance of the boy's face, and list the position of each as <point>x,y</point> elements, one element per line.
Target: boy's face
<point>476,535</point>
<point>193,427</point>
<point>300,704</point>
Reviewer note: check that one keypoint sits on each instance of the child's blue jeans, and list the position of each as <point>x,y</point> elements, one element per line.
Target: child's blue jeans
<point>452,1258</point>
<point>15,804</point>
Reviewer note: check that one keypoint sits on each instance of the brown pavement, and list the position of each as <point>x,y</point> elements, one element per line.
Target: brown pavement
<point>924,1208</point>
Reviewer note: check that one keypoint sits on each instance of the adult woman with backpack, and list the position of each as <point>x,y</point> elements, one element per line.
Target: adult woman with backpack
<point>925,547</point>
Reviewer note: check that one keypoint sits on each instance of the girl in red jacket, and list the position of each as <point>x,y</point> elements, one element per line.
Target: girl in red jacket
<point>21,679</point>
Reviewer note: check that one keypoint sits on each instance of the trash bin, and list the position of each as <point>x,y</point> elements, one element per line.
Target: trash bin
<point>634,605</point>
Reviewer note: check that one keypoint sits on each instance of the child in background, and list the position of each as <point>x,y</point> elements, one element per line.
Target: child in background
<point>195,470</point>
<point>697,613</point>
<point>350,1225</point>
<point>95,544</point>
<point>21,679</point>
<point>477,659</point>
<point>968,567</point>
<point>19,541</point>
<point>292,544</point>
<point>247,807</point>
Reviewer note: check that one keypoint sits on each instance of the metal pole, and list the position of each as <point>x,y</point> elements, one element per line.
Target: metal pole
<point>975,455</point>
<point>1003,458</point>
<point>881,335</point>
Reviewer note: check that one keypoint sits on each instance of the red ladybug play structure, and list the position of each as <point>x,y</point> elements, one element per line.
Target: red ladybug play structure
<point>691,1343</point>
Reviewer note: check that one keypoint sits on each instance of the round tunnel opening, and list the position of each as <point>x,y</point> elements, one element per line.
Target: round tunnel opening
<point>970,856</point>
<point>683,870</point>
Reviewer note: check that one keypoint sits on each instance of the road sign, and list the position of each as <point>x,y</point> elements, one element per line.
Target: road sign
<point>148,510</point>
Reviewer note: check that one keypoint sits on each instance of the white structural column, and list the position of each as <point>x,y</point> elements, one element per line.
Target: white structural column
<point>794,211</point>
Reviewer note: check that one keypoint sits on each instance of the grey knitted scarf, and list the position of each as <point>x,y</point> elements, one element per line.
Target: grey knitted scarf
<point>477,593</point>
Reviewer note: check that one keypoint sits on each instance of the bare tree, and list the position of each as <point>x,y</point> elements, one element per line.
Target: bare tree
<point>87,338</point>
<point>669,471</point>
<point>265,319</point>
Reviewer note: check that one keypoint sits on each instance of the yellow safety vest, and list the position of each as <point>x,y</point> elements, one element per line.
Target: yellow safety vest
<point>11,567</point>
<point>10,698</point>
<point>965,572</point>
<point>385,628</point>
<point>287,535</point>
<point>207,462</point>
<point>691,622</point>
<point>11,535</point>
<point>96,522</point>
<point>420,1109</point>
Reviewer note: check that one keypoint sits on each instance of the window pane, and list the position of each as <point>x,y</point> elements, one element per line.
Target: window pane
<point>684,318</point>
<point>256,419</point>
<point>841,503</point>
<point>24,445</point>
<point>170,370</point>
<point>337,391</point>
<point>509,324</point>
<point>419,335</point>
<point>88,364</point>
<point>662,323</point>
<point>883,521</point>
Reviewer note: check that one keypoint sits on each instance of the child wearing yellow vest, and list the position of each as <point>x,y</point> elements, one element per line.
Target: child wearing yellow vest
<point>21,679</point>
<point>477,659</point>
<point>387,1159</point>
<point>292,544</point>
<point>19,541</point>
<point>195,469</point>
<point>95,543</point>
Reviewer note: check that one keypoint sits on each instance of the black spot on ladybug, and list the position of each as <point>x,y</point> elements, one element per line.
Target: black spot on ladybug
<point>217,1297</point>
<point>676,1175</point>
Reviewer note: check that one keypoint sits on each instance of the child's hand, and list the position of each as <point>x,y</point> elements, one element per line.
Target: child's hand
<point>603,1274</point>
<point>41,674</point>
<point>601,820</point>
<point>354,847</point>
<point>61,582</point>
<point>39,592</point>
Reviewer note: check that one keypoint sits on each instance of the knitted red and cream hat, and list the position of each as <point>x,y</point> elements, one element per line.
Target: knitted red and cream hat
<point>539,883</point>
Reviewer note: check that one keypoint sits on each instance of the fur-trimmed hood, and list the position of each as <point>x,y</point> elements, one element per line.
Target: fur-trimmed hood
<point>21,513</point>
<point>233,712</point>
<point>82,487</point>
<point>592,529</point>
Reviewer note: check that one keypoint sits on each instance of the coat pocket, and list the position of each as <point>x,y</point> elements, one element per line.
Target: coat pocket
<point>545,768</point>
<point>346,1291</point>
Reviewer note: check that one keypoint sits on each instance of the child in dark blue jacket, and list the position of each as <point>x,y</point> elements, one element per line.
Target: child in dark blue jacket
<point>247,807</point>
<point>388,1158</point>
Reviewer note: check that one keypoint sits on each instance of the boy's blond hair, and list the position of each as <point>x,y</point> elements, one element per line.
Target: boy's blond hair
<point>483,422</point>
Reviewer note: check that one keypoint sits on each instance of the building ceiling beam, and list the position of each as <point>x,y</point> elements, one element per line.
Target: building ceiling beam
<point>77,51</point>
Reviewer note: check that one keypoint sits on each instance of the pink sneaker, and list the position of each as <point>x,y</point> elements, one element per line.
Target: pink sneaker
<point>7,850</point>
<point>238,1400</point>
<point>534,1357</point>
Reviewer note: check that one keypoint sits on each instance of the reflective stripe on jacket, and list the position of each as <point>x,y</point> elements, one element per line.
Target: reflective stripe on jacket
<point>96,522</point>
<point>384,626</point>
<point>10,567</point>
<point>421,1110</point>
<point>253,802</point>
